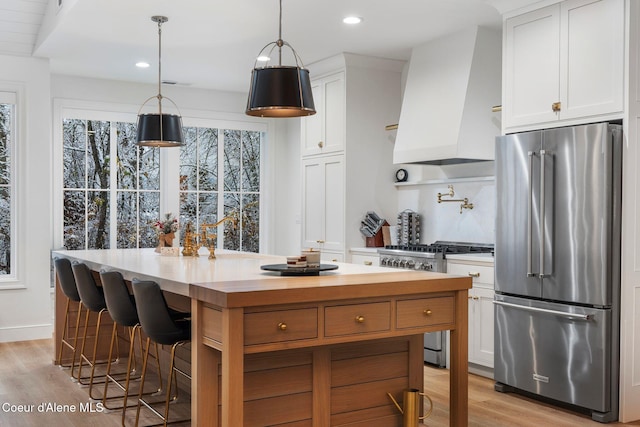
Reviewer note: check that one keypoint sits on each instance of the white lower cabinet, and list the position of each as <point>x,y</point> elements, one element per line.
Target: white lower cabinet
<point>481,317</point>
<point>364,257</point>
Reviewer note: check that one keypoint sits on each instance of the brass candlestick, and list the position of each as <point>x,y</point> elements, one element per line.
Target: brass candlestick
<point>191,245</point>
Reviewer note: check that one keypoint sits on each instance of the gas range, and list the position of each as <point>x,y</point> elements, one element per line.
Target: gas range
<point>431,257</point>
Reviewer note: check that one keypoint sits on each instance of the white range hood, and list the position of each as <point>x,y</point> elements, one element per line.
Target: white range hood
<point>452,84</point>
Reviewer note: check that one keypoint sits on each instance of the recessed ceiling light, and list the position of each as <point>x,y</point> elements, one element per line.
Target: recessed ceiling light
<point>142,64</point>
<point>352,20</point>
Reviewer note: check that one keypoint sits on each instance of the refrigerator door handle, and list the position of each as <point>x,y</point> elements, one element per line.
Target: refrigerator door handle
<point>542,211</point>
<point>546,311</point>
<point>530,273</point>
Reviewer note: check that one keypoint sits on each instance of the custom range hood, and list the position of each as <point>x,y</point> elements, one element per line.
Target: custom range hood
<point>446,115</point>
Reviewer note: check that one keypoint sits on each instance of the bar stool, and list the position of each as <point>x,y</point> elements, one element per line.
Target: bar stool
<point>122,309</point>
<point>69,289</point>
<point>92,297</point>
<point>162,327</point>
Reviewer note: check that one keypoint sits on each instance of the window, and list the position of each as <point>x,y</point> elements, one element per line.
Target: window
<point>236,153</point>
<point>7,148</point>
<point>110,200</point>
<point>111,191</point>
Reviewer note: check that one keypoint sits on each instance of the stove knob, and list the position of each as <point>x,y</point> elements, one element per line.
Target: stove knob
<point>428,267</point>
<point>419,266</point>
<point>403,263</point>
<point>395,262</point>
<point>384,261</point>
<point>411,264</point>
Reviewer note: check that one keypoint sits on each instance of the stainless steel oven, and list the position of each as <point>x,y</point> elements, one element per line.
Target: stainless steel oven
<point>431,257</point>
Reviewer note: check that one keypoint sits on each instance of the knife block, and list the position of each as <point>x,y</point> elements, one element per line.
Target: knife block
<point>377,241</point>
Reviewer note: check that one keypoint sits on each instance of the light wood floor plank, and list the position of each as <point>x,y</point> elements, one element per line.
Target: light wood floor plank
<point>28,377</point>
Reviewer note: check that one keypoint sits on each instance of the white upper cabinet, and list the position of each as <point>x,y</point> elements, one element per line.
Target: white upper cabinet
<point>563,64</point>
<point>324,132</point>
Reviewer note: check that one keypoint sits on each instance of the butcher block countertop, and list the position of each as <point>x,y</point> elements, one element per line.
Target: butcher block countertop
<point>234,279</point>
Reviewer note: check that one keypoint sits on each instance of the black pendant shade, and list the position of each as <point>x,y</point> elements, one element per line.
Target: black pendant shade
<point>280,90</point>
<point>160,130</point>
<point>283,91</point>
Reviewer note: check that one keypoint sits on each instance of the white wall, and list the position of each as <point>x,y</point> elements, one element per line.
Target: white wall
<point>25,309</point>
<point>443,221</point>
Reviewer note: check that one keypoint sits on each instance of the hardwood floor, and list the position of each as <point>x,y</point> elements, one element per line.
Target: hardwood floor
<point>29,378</point>
<point>34,391</point>
<point>490,408</point>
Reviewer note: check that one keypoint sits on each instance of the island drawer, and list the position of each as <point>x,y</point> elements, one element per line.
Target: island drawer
<point>357,318</point>
<point>282,325</point>
<point>413,313</point>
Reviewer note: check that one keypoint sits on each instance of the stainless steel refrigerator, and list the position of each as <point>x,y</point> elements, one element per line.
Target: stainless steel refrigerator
<point>557,265</point>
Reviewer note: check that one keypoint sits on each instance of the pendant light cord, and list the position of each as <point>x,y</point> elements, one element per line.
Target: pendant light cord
<point>280,42</point>
<point>160,64</point>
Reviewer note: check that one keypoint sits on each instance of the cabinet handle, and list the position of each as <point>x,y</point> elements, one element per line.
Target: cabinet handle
<point>474,274</point>
<point>334,260</point>
<point>319,241</point>
<point>427,312</point>
<point>556,106</point>
<point>368,263</point>
<point>360,319</point>
<point>282,326</point>
<point>476,298</point>
<point>320,144</point>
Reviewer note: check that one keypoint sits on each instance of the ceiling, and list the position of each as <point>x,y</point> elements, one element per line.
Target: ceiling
<point>213,43</point>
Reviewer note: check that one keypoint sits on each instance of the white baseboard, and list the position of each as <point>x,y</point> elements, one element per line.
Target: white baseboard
<point>26,333</point>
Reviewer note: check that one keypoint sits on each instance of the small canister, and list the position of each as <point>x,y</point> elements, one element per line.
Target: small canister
<point>313,257</point>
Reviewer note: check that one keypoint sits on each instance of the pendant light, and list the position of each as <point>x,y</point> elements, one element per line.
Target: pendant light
<point>159,129</point>
<point>279,90</point>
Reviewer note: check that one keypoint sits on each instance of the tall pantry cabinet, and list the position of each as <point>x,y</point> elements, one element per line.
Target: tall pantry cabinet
<point>346,154</point>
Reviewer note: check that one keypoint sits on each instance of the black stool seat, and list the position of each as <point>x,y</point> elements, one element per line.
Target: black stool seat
<point>122,309</point>
<point>163,326</point>
<point>92,297</point>
<point>67,282</point>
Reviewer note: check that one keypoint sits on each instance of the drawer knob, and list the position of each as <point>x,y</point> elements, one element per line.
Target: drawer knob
<point>474,274</point>
<point>282,326</point>
<point>320,144</point>
<point>427,312</point>
<point>360,319</point>
<point>368,263</point>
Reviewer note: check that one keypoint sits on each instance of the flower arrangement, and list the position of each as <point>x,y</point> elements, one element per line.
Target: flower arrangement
<point>167,225</point>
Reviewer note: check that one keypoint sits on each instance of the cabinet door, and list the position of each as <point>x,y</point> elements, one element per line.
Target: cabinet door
<point>324,132</point>
<point>312,202</point>
<point>312,125</point>
<point>531,67</point>
<point>481,333</point>
<point>334,113</point>
<point>323,203</point>
<point>591,57</point>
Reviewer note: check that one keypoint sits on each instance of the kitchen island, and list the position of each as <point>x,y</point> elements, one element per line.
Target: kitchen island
<point>303,350</point>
